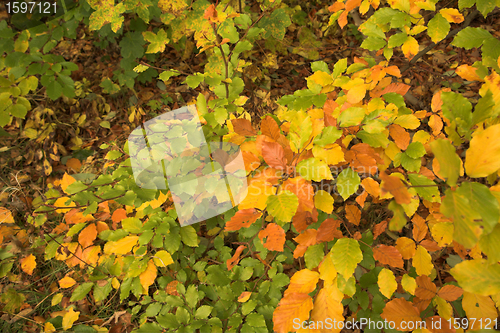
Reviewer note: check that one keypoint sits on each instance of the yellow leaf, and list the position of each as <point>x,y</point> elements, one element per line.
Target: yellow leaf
<point>387,282</point>
<point>258,191</point>
<point>409,284</point>
<point>66,181</point>
<point>162,259</point>
<point>47,167</point>
<point>56,299</point>
<point>121,246</point>
<point>406,247</point>
<point>356,94</point>
<point>408,121</point>
<point>452,15</point>
<point>28,264</point>
<point>148,277</point>
<point>331,154</point>
<point>444,308</point>
<point>61,202</point>
<point>303,281</point>
<point>327,271</point>
<point>328,305</point>
<point>69,318</point>
<point>115,283</point>
<point>6,216</point>
<point>422,261</point>
<point>154,203</point>
<point>483,156</point>
<point>410,47</point>
<point>478,307</point>
<point>468,73</point>
<point>295,306</point>
<point>67,282</point>
<point>321,78</point>
<point>443,233</point>
<point>48,328</point>
<point>245,296</point>
<point>323,201</point>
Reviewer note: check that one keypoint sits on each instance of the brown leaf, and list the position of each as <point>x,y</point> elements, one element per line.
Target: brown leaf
<point>388,255</point>
<point>379,228</point>
<point>328,230</point>
<point>395,186</point>
<point>430,246</point>
<point>243,127</point>
<point>400,136</point>
<point>425,288</point>
<point>269,127</point>
<point>353,214</point>
<point>450,292</point>
<point>400,311</point>
<point>419,228</point>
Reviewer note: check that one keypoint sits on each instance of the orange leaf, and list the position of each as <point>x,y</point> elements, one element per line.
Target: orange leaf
<point>66,181</point>
<point>400,136</point>
<point>305,239</point>
<point>275,237</point>
<point>388,255</point>
<point>28,264</point>
<point>450,292</point>
<point>303,281</point>
<point>210,13</point>
<point>243,127</point>
<point>244,296</point>
<point>371,186</point>
<point>430,245</point>
<point>171,288</point>
<point>269,127</point>
<point>274,155</point>
<point>75,216</point>
<point>90,255</point>
<point>87,235</point>
<point>148,277</point>
<point>251,161</point>
<point>303,219</point>
<point>303,190</point>
<point>74,163</point>
<point>398,88</point>
<point>395,186</point>
<point>353,214</point>
<point>242,219</point>
<point>393,70</point>
<point>292,307</point>
<point>436,123</point>
<point>379,229</point>
<point>6,216</point>
<point>401,312</point>
<point>406,247</point>
<point>425,288</point>
<point>328,231</point>
<point>336,7</point>
<point>119,215</point>
<point>236,257</point>
<point>468,73</point>
<point>67,282</point>
<point>360,199</point>
<point>419,228</point>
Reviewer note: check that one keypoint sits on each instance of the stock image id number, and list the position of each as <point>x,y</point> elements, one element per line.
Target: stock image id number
<point>466,323</point>
<point>31,7</point>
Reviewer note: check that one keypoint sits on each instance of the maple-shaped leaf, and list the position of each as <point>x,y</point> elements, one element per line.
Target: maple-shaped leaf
<point>28,264</point>
<point>148,277</point>
<point>422,261</point>
<point>275,237</point>
<point>406,247</point>
<point>328,306</point>
<point>69,318</point>
<point>305,239</point>
<point>401,312</point>
<point>243,127</point>
<point>270,128</point>
<point>450,292</point>
<point>293,307</point>
<point>426,289</point>
<point>388,255</point>
<point>328,230</point>
<point>303,281</point>
<point>274,155</point>
<point>87,235</point>
<point>387,282</point>
<point>242,219</point>
<point>353,214</point>
<point>231,262</point>
<point>283,206</point>
<point>396,187</point>
<point>121,246</point>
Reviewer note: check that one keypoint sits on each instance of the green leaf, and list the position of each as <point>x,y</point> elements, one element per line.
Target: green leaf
<point>398,221</point>
<point>348,182</point>
<point>192,297</point>
<point>216,276</point>
<point>189,236</point>
<point>352,116</point>
<point>132,224</point>
<point>101,292</point>
<point>425,187</point>
<point>149,328</point>
<point>328,135</point>
<point>314,169</point>
<point>485,108</point>
<point>457,108</point>
<point>81,291</point>
<point>314,254</point>
<point>320,66</point>
<point>397,40</point>
<point>256,320</point>
<point>486,6</point>
<point>415,150</point>
<point>105,14</point>
<point>465,4</point>
<point>283,206</point>
<point>164,76</point>
<point>449,162</point>
<point>471,37</point>
<point>194,81</point>
<point>346,255</point>
<point>438,28</point>
<point>477,276</point>
<point>339,67</point>
<point>275,25</point>
<point>158,41</point>
<point>373,43</point>
<point>54,90</point>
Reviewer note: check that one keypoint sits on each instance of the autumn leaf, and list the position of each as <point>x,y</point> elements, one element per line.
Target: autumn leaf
<point>483,156</point>
<point>395,186</point>
<point>371,186</point>
<point>69,318</point>
<point>243,127</point>
<point>425,288</point>
<point>419,228</point>
<point>450,292</point>
<point>468,73</point>
<point>67,282</point>
<point>270,128</point>
<point>162,259</point>
<point>323,201</point>
<point>388,255</point>
<point>303,190</point>
<point>387,282</point>
<point>305,239</point>
<point>480,308</point>
<point>400,136</point>
<point>283,206</point>
<point>422,261</point>
<point>244,296</point>
<point>303,281</point>
<point>242,219</point>
<point>122,246</point>
<point>236,257</point>
<point>87,235</point>
<point>148,277</point>
<point>401,312</point>
<point>452,15</point>
<point>6,216</point>
<point>353,214</point>
<point>379,228</point>
<point>275,237</point>
<point>327,305</point>
<point>327,271</point>
<point>28,264</point>
<point>346,255</point>
<point>66,181</point>
<point>328,230</point>
<point>406,247</point>
<point>295,306</point>
<point>410,47</point>
<point>274,155</point>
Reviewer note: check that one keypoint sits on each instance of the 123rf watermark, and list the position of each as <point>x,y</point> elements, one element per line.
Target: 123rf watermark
<point>433,323</point>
